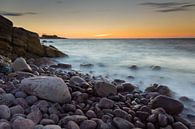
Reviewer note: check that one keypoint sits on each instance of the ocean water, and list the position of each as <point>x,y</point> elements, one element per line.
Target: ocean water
<point>113,57</point>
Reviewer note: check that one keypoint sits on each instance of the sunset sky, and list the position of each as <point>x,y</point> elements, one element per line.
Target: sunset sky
<point>103,18</point>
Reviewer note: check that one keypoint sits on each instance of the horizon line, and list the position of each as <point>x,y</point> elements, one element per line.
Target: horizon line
<point>140,38</point>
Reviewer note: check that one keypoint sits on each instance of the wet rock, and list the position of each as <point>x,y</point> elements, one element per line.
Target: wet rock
<point>7,99</point>
<point>72,125</point>
<point>91,114</point>
<point>38,127</point>
<point>62,66</point>
<point>22,102</point>
<point>152,118</point>
<point>130,77</point>
<point>122,123</point>
<point>156,68</point>
<point>179,125</point>
<point>44,61</point>
<point>106,103</point>
<point>88,124</point>
<point>69,107</point>
<point>150,126</point>
<point>31,99</point>
<point>122,114</point>
<point>45,87</point>
<point>75,118</point>
<point>35,115</point>
<point>5,125</point>
<point>133,67</point>
<point>167,127</point>
<point>53,52</point>
<point>54,117</point>
<point>119,81</point>
<point>162,120</point>
<point>87,65</point>
<point>77,81</point>
<point>163,90</point>
<point>102,125</point>
<point>104,89</point>
<point>185,121</point>
<point>17,110</point>
<point>22,123</point>
<point>128,87</point>
<point>185,99</point>
<point>2,91</point>
<point>52,127</point>
<point>47,122</point>
<point>79,112</point>
<point>142,115</point>
<point>170,105</point>
<point>43,105</point>
<point>20,94</point>
<point>4,112</point>
<point>20,65</point>
<point>139,124</point>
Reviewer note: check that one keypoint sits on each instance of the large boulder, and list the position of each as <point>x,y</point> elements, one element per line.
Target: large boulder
<point>170,105</point>
<point>104,89</point>
<point>45,87</point>
<point>20,65</point>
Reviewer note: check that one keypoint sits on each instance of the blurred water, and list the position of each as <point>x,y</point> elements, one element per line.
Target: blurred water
<point>113,57</point>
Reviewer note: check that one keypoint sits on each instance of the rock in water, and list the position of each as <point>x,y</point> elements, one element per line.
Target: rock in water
<point>105,89</point>
<point>45,87</point>
<point>170,105</point>
<point>20,65</point>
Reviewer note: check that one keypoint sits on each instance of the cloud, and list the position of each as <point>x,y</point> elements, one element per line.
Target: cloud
<point>16,14</point>
<point>169,6</point>
<point>59,2</point>
<point>102,35</point>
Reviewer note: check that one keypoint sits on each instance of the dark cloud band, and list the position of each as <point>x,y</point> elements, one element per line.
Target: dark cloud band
<point>169,6</point>
<point>16,14</point>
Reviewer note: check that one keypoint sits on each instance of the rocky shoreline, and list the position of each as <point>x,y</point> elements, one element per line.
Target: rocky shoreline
<point>42,94</point>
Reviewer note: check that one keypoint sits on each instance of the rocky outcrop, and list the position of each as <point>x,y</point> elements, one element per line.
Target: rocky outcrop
<point>51,37</point>
<point>16,42</point>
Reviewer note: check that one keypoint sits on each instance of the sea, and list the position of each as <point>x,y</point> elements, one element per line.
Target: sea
<point>113,58</point>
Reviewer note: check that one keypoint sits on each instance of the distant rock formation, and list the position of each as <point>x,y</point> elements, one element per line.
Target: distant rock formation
<point>16,42</point>
<point>51,37</point>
